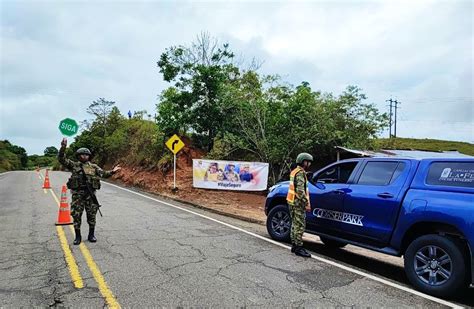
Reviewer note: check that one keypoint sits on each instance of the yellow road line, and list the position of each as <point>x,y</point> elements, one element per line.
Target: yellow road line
<point>70,260</point>
<point>99,278</point>
<point>103,287</point>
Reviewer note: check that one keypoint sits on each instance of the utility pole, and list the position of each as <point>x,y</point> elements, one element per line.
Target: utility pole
<point>396,108</point>
<point>390,119</point>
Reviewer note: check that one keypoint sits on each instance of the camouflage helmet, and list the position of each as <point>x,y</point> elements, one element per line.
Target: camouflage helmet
<point>82,151</point>
<point>302,157</point>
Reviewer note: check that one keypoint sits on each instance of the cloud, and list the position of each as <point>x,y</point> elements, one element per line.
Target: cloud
<point>57,57</point>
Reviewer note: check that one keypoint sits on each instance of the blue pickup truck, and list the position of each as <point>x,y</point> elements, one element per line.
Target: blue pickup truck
<point>421,209</point>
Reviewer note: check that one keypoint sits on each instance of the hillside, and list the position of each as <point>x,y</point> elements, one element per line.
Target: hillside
<point>12,157</point>
<point>425,144</point>
<point>238,204</point>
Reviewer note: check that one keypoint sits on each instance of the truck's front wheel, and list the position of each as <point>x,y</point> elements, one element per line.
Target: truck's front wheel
<point>435,265</point>
<point>279,223</point>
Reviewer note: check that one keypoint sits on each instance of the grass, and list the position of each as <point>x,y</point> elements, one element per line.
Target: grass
<point>425,144</point>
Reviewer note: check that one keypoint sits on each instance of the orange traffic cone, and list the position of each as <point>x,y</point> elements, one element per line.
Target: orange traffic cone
<point>64,216</point>
<point>46,184</point>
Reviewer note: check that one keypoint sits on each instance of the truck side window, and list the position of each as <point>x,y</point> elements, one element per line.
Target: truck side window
<point>339,173</point>
<point>398,171</point>
<point>380,173</point>
<point>453,174</point>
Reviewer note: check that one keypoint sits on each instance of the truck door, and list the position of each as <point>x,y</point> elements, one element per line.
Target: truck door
<point>327,190</point>
<point>372,203</point>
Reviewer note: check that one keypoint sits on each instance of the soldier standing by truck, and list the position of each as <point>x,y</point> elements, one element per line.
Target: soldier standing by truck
<point>298,201</point>
<point>83,183</point>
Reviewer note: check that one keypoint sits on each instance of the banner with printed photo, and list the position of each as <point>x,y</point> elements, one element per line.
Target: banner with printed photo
<point>230,175</point>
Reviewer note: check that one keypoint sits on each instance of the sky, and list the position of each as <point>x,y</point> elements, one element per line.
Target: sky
<point>59,56</point>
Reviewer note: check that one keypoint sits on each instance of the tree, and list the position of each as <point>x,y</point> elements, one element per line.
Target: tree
<point>101,109</point>
<point>115,120</point>
<point>171,117</point>
<point>20,152</point>
<point>349,121</point>
<point>8,160</point>
<point>273,119</point>
<point>273,122</point>
<point>139,114</point>
<point>51,151</point>
<point>95,135</point>
<point>12,157</point>
<point>198,73</point>
<point>366,121</point>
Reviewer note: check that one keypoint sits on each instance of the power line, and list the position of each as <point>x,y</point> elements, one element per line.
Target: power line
<point>441,101</point>
<point>434,120</point>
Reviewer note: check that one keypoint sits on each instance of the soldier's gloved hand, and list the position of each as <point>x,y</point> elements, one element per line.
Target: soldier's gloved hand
<point>64,143</point>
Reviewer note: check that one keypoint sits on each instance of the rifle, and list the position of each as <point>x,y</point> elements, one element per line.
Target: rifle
<point>90,191</point>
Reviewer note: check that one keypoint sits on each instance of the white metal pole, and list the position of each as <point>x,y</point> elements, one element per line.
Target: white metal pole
<point>174,172</point>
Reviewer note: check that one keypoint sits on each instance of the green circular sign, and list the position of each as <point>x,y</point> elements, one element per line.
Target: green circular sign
<point>68,127</point>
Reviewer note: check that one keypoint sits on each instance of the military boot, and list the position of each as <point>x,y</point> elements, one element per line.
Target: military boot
<point>91,236</point>
<point>300,251</point>
<point>293,248</point>
<point>78,239</point>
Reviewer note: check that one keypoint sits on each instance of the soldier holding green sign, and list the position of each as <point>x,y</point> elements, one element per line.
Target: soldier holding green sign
<point>83,183</point>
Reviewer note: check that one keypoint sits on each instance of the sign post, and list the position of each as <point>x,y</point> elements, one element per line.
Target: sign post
<point>174,144</point>
<point>68,127</point>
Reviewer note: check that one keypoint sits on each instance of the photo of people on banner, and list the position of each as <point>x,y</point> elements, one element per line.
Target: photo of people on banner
<point>230,175</point>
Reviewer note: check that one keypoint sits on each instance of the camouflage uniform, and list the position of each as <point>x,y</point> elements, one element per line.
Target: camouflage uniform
<point>80,201</point>
<point>297,209</point>
<point>80,196</point>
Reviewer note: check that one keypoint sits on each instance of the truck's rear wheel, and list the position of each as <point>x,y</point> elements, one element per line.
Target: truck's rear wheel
<point>435,265</point>
<point>331,243</point>
<point>279,223</point>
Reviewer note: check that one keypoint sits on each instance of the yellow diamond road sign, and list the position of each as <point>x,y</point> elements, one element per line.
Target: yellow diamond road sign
<point>175,144</point>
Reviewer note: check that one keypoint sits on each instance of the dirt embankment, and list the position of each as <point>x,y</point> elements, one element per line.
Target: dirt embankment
<point>238,204</point>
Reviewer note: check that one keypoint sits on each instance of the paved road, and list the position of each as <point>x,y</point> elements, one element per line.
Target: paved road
<point>151,253</point>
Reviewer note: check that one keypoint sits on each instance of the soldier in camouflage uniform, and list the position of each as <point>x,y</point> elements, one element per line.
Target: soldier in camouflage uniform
<point>81,198</point>
<point>298,201</point>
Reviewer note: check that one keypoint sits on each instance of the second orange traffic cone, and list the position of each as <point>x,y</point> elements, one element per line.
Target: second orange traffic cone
<point>64,216</point>
<point>46,184</point>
